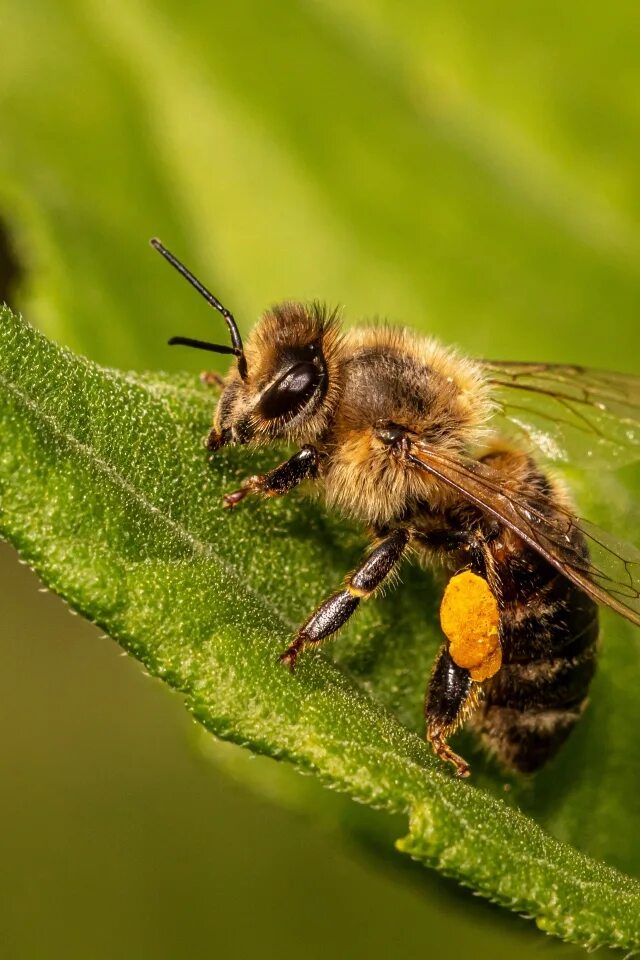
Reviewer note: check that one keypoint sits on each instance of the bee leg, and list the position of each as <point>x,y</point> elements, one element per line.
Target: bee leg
<point>334,612</point>
<point>451,696</point>
<point>209,378</point>
<point>301,466</point>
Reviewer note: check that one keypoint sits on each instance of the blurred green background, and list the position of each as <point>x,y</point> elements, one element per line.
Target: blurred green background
<point>468,168</point>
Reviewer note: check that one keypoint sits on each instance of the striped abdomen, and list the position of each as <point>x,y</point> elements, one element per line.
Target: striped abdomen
<point>549,631</point>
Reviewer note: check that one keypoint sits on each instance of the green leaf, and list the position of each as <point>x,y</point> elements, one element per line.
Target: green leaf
<point>468,170</point>
<point>106,491</point>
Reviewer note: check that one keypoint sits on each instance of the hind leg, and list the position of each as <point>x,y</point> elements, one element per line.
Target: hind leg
<point>451,696</point>
<point>470,620</point>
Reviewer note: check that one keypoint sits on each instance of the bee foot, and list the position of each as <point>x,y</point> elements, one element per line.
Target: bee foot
<point>230,500</point>
<point>254,484</point>
<point>442,750</point>
<point>209,378</point>
<point>290,656</point>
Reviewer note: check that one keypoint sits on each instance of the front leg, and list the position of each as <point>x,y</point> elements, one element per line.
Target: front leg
<point>334,612</point>
<point>301,466</point>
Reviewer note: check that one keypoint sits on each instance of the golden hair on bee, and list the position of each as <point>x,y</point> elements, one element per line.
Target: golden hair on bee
<point>391,376</point>
<point>398,432</point>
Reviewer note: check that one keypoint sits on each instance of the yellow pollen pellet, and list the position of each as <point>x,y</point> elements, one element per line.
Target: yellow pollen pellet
<point>469,618</point>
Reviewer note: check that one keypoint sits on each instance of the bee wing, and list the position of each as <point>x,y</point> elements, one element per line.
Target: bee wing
<point>610,573</point>
<point>572,414</point>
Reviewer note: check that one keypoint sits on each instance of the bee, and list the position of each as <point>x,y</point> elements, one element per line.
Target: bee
<point>410,439</point>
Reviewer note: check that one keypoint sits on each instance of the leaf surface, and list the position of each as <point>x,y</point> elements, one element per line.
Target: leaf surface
<point>106,491</point>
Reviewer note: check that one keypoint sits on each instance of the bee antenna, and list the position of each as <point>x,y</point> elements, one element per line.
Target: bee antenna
<point>237,349</point>
<point>201,345</point>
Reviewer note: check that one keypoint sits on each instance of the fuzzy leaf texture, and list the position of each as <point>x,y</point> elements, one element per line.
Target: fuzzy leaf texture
<point>107,493</point>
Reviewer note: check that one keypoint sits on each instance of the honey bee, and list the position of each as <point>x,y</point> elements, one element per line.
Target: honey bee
<point>408,438</point>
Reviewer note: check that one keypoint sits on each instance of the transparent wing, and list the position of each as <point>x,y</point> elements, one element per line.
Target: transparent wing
<point>610,574</point>
<point>569,413</point>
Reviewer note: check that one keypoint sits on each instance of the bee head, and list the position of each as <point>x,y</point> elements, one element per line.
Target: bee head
<point>291,379</point>
<point>283,385</point>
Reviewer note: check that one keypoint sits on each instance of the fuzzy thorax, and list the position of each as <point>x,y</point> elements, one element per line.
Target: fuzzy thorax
<point>390,375</point>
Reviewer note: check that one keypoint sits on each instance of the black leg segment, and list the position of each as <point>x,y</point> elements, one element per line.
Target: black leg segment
<point>301,466</point>
<point>448,690</point>
<point>379,564</point>
<point>334,612</point>
<point>450,696</point>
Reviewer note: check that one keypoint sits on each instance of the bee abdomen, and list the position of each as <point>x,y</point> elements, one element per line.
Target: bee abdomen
<point>535,700</point>
<point>525,741</point>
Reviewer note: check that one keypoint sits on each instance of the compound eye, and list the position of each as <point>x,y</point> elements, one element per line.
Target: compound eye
<point>291,392</point>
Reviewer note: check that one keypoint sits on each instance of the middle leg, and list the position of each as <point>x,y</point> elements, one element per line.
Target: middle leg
<point>334,612</point>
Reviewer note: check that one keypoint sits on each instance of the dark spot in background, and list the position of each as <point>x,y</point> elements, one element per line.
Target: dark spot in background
<point>10,268</point>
